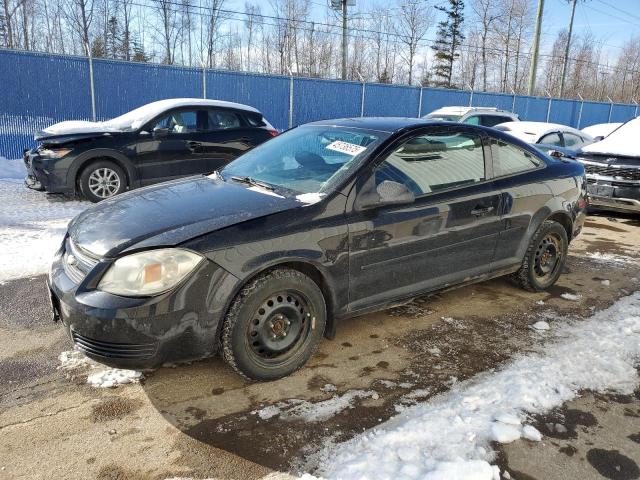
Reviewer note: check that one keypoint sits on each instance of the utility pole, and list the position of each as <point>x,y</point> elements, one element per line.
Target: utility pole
<point>342,5</point>
<point>344,39</point>
<point>566,49</point>
<point>536,47</point>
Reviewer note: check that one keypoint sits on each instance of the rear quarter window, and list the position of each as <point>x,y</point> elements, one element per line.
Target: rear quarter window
<point>509,159</point>
<point>254,119</point>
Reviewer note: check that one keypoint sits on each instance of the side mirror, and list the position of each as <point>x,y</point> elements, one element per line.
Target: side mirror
<point>159,132</point>
<point>386,193</point>
<point>598,138</point>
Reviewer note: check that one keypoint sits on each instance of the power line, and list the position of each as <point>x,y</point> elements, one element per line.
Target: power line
<point>387,35</point>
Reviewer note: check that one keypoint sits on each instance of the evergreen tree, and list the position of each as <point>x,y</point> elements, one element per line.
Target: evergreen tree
<point>139,55</point>
<point>448,40</point>
<point>113,46</point>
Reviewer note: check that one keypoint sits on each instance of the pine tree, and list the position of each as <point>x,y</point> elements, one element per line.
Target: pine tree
<point>448,40</point>
<point>139,54</point>
<point>113,44</point>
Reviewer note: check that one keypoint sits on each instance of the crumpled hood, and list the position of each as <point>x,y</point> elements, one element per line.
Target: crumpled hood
<point>169,214</point>
<point>75,128</point>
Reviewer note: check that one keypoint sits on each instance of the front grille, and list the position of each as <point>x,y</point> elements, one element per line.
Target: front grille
<point>113,350</point>
<point>627,173</point>
<point>82,262</point>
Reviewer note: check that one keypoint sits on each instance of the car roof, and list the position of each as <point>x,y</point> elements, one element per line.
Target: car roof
<point>382,124</point>
<point>539,128</point>
<point>459,110</point>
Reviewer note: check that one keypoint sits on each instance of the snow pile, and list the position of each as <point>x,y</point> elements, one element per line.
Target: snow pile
<point>12,168</point>
<point>113,377</point>
<point>449,437</point>
<point>605,283</point>
<point>32,226</point>
<point>611,259</point>
<point>624,141</point>
<point>296,409</point>
<point>572,297</point>
<point>541,325</point>
<point>73,359</point>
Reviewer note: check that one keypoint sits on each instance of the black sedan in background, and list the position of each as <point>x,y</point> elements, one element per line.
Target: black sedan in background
<point>327,221</point>
<point>159,141</point>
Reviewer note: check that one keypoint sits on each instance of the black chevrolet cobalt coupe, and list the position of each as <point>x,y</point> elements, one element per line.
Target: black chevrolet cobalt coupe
<point>329,220</point>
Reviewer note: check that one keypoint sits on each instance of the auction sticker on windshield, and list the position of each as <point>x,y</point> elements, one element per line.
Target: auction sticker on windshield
<point>345,147</point>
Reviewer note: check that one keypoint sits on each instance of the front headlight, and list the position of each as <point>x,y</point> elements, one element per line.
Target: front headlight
<point>149,273</point>
<point>54,152</point>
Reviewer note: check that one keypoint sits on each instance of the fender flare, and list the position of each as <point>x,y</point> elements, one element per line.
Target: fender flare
<point>86,157</point>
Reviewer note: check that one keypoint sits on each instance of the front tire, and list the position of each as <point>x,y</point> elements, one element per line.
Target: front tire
<point>545,258</point>
<point>101,180</point>
<point>274,325</point>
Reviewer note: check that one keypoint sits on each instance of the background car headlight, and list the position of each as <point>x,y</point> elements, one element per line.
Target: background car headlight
<point>149,273</point>
<point>54,152</point>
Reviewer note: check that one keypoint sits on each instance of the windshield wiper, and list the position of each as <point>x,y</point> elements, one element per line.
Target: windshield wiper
<point>252,182</point>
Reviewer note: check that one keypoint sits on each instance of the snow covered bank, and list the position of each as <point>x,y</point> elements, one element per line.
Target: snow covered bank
<point>12,168</point>
<point>32,225</point>
<point>448,438</point>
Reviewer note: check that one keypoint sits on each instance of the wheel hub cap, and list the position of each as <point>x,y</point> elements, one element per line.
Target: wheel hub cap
<point>547,256</point>
<point>104,182</point>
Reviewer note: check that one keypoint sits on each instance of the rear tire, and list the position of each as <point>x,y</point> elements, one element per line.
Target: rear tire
<point>545,258</point>
<point>274,325</point>
<point>102,179</point>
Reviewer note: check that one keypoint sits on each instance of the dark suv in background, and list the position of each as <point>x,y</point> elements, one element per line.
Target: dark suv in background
<point>159,141</point>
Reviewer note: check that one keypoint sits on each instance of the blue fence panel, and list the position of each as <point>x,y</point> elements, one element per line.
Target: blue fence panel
<point>497,100</point>
<point>593,113</point>
<point>533,109</point>
<point>391,101</point>
<point>42,89</point>
<point>39,90</point>
<point>434,98</point>
<point>269,94</point>
<point>122,86</point>
<point>622,113</point>
<point>565,112</point>
<point>322,99</point>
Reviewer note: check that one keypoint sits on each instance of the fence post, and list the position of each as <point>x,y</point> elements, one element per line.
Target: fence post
<point>548,107</point>
<point>470,96</point>
<point>361,95</point>
<point>204,81</point>
<point>290,99</point>
<point>513,102</point>
<point>635,113</point>
<point>610,108</point>
<point>420,103</point>
<point>91,84</point>
<point>580,111</point>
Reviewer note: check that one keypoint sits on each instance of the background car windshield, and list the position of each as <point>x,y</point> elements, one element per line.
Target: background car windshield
<point>307,159</point>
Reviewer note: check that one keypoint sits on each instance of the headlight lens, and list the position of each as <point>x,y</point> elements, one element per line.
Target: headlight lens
<point>54,152</point>
<point>149,273</point>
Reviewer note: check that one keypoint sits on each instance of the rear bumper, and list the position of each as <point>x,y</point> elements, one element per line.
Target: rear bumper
<point>142,333</point>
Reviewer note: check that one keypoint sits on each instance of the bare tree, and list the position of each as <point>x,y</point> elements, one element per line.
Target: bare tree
<point>487,13</point>
<point>9,10</point>
<point>414,20</point>
<point>79,13</point>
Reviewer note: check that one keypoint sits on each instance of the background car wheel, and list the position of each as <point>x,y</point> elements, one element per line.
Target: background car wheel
<point>545,258</point>
<point>101,180</point>
<point>274,325</point>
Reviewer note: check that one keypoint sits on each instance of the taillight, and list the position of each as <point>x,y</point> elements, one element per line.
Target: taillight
<point>274,133</point>
<point>582,203</point>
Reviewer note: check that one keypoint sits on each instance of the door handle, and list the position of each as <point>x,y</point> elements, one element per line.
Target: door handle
<point>479,211</point>
<point>193,145</point>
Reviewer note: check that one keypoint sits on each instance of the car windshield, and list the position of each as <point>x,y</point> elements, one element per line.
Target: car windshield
<point>443,117</point>
<point>307,159</point>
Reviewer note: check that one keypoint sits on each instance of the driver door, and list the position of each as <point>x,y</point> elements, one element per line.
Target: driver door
<point>447,234</point>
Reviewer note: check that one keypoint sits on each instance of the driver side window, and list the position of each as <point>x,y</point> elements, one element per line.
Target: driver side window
<point>183,121</point>
<point>434,162</point>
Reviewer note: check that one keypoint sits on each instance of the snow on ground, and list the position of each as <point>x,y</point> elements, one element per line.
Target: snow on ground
<point>32,226</point>
<point>296,409</point>
<point>113,377</point>
<point>572,297</point>
<point>449,437</point>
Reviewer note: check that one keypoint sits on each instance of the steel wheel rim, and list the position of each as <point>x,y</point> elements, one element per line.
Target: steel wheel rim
<point>104,182</point>
<point>279,327</point>
<point>548,256</point>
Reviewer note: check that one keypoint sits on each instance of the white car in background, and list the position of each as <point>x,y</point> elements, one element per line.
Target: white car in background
<point>548,134</point>
<point>601,130</point>
<point>486,116</point>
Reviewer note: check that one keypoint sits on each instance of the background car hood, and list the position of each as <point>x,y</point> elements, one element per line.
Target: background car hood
<point>170,213</point>
<point>77,128</point>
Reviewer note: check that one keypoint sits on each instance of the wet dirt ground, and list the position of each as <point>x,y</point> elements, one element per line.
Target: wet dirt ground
<point>203,421</point>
